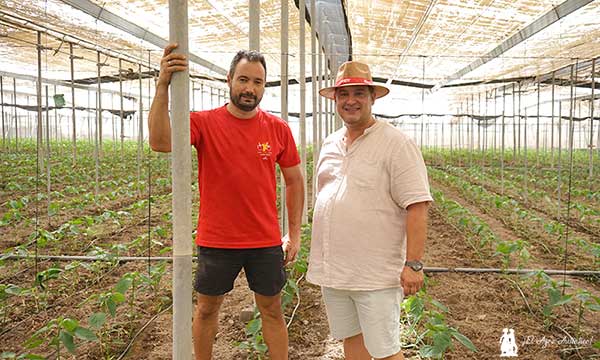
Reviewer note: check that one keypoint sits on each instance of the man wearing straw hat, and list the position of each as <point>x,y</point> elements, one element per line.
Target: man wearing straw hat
<point>370,220</point>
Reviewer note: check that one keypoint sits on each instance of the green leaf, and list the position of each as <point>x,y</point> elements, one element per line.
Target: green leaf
<point>442,341</point>
<point>123,285</point>
<point>596,344</point>
<point>34,357</point>
<point>33,342</point>
<point>13,290</point>
<point>593,307</point>
<point>429,351</point>
<point>439,305</point>
<point>85,334</point>
<point>112,307</point>
<point>69,324</point>
<point>464,340</point>
<point>254,326</point>
<point>117,297</point>
<point>96,320</point>
<point>262,347</point>
<point>53,209</point>
<point>554,296</point>
<point>67,340</point>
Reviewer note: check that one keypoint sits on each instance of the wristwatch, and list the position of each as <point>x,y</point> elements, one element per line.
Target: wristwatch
<point>416,265</point>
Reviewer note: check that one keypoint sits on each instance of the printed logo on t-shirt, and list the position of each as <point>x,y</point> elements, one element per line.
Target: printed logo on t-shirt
<point>264,150</point>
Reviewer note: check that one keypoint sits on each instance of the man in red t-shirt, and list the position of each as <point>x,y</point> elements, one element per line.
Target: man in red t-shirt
<point>238,146</point>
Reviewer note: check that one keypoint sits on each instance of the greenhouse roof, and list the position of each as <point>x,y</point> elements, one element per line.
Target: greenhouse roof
<point>419,42</point>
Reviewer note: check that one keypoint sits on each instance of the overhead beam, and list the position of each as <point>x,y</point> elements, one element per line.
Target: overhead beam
<point>549,18</point>
<point>106,16</point>
<point>64,83</point>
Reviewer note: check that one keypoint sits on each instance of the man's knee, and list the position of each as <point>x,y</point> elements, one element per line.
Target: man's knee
<point>269,306</point>
<point>207,307</point>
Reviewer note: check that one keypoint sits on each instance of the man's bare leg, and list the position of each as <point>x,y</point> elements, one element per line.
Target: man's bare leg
<point>206,321</point>
<point>355,349</point>
<point>273,325</point>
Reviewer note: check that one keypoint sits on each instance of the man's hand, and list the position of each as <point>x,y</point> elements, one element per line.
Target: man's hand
<point>169,64</point>
<point>411,280</point>
<point>290,248</point>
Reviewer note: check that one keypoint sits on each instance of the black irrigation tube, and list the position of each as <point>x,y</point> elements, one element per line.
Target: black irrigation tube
<point>426,269</point>
<point>510,271</point>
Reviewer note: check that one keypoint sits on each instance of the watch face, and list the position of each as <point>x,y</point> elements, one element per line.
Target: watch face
<point>415,265</point>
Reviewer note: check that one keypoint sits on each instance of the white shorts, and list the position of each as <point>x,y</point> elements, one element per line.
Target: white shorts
<point>374,313</point>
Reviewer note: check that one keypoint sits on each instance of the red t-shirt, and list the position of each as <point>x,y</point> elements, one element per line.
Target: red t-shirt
<point>236,177</point>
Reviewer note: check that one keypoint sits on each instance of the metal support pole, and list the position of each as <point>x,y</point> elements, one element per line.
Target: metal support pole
<point>485,129</point>
<point>48,175</point>
<point>537,128</point>
<point>525,159</point>
<point>2,106</point>
<point>97,149</point>
<point>39,102</point>
<point>284,101</point>
<point>302,53</point>
<point>472,142</point>
<point>73,117</point>
<point>519,122</point>
<point>193,89</point>
<point>121,112</point>
<point>181,169</point>
<point>591,143</point>
<point>552,127</point>
<point>325,100</point>
<point>29,126</point>
<point>559,160</point>
<point>479,123</point>
<point>422,101</point>
<point>313,85</point>
<point>15,93</point>
<point>201,96</point>
<point>141,123</point>
<point>503,139</point>
<point>55,117</point>
<point>514,117</point>
<point>89,103</point>
<point>99,104</point>
<point>254,22</point>
<point>113,122</point>
<point>320,104</point>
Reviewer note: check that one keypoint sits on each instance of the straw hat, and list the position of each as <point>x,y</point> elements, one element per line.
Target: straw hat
<point>353,73</point>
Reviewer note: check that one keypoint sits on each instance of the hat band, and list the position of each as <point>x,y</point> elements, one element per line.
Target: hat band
<point>356,81</point>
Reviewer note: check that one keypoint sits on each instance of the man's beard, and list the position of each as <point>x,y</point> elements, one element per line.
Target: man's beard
<point>237,101</point>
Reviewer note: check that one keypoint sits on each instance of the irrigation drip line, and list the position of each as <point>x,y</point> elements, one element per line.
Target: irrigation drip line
<point>130,344</point>
<point>426,269</point>
<point>510,271</point>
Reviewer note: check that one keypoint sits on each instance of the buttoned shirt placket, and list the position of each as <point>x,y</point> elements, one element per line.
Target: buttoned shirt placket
<point>346,155</point>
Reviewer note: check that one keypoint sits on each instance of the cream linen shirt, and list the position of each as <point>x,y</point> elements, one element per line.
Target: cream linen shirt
<point>359,221</point>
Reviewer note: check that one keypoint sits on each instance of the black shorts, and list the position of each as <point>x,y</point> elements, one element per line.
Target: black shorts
<point>218,268</point>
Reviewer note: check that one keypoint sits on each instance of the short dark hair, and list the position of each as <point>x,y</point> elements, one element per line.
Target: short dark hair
<point>251,56</point>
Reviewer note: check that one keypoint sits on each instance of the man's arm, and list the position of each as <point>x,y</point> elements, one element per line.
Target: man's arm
<point>416,234</point>
<point>159,123</point>
<point>294,196</point>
